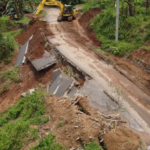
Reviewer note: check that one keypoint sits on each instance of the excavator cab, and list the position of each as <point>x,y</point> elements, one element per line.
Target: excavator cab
<point>68,9</point>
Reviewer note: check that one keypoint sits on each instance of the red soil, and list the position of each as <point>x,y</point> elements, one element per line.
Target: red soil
<point>39,31</point>
<point>85,22</point>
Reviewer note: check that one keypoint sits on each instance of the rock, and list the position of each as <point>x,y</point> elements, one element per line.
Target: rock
<point>148,148</point>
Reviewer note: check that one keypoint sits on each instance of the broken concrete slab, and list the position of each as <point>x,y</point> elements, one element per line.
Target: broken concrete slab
<point>64,85</point>
<point>56,80</point>
<point>60,83</point>
<point>97,96</point>
<point>73,92</point>
<point>21,56</point>
<point>56,73</point>
<point>46,61</point>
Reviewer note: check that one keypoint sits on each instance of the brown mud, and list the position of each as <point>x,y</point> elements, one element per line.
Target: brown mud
<point>85,22</point>
<point>29,77</point>
<point>140,57</point>
<point>77,126</point>
<point>122,139</point>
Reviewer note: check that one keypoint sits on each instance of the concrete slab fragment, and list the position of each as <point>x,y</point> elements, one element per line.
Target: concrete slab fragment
<point>60,83</point>
<point>28,92</point>
<point>46,61</point>
<point>56,73</point>
<point>21,56</point>
<point>55,84</point>
<point>133,123</point>
<point>72,92</point>
<point>64,85</point>
<point>97,97</point>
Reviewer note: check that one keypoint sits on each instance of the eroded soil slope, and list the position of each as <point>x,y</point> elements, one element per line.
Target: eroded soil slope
<point>85,22</point>
<point>29,76</point>
<point>75,122</point>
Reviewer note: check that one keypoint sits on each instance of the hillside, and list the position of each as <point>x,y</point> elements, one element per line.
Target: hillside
<point>134,31</point>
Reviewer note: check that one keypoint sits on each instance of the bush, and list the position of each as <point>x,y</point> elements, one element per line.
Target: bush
<point>92,146</point>
<point>133,30</point>
<point>8,77</point>
<point>97,4</point>
<point>48,144</point>
<point>18,133</point>
<point>8,46</point>
<point>26,108</point>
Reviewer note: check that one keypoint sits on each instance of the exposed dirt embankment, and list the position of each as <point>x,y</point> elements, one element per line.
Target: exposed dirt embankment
<point>141,57</point>
<point>28,75</point>
<point>75,122</point>
<point>85,22</point>
<point>39,30</point>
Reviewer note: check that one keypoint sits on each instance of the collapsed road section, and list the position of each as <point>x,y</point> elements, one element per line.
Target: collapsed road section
<point>103,94</point>
<point>115,85</point>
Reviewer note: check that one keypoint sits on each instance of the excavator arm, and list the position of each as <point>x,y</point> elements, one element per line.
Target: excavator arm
<point>40,7</point>
<point>56,3</point>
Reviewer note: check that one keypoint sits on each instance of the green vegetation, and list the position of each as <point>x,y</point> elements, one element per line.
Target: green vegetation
<point>24,20</point>
<point>8,30</point>
<point>60,124</point>
<point>8,77</point>
<point>8,46</point>
<point>48,144</point>
<point>133,25</point>
<point>15,123</point>
<point>92,146</point>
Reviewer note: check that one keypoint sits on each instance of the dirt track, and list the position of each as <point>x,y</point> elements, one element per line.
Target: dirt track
<point>135,86</point>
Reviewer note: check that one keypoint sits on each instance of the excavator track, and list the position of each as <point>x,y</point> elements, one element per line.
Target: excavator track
<point>70,18</point>
<point>59,18</point>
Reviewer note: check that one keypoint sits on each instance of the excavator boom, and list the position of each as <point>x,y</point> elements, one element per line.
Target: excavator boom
<point>66,11</point>
<point>40,7</point>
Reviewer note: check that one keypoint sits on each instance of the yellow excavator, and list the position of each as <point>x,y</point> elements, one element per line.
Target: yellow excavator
<point>66,11</point>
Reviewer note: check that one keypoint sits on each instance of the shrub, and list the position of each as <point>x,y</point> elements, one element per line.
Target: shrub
<point>92,146</point>
<point>48,144</point>
<point>26,108</point>
<point>8,46</point>
<point>17,133</point>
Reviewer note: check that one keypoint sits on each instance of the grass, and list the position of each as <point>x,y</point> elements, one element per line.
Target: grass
<point>68,70</point>
<point>60,124</point>
<point>15,131</point>
<point>12,33</point>
<point>92,146</point>
<point>43,13</point>
<point>79,6</point>
<point>146,48</point>
<point>24,20</point>
<point>8,77</point>
<point>133,30</point>
<point>7,42</point>
<point>48,144</point>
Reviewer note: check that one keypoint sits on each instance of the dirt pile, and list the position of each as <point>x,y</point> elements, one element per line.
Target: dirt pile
<point>29,79</point>
<point>32,28</point>
<point>122,139</point>
<point>75,122</point>
<point>85,22</point>
<point>39,31</point>
<point>140,57</point>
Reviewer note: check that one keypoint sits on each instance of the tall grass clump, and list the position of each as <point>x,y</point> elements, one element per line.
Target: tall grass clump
<point>15,131</point>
